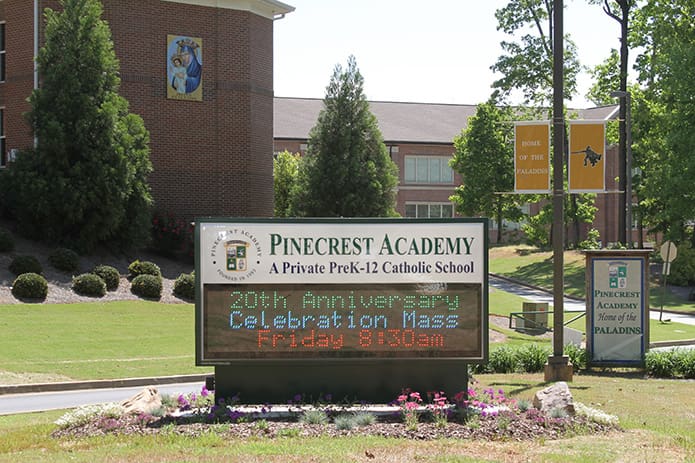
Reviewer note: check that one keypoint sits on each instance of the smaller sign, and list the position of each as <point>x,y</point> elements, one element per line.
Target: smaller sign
<point>586,166</point>
<point>532,157</point>
<point>669,251</point>
<point>617,309</point>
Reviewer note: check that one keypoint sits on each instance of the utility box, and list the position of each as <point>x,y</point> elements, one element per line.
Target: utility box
<point>535,317</point>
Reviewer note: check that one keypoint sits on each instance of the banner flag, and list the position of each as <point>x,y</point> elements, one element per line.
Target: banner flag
<point>586,166</point>
<point>532,157</point>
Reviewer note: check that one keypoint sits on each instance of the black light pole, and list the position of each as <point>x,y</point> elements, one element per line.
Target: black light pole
<point>558,367</point>
<point>625,97</point>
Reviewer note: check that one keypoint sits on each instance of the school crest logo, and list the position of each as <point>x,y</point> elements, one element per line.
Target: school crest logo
<point>617,275</point>
<point>236,252</point>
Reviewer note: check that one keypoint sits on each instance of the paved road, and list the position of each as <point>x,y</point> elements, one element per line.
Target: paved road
<point>43,401</point>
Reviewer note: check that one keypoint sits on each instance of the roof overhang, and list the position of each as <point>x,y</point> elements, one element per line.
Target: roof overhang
<point>270,9</point>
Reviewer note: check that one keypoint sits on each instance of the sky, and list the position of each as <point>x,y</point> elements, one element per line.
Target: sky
<point>435,51</point>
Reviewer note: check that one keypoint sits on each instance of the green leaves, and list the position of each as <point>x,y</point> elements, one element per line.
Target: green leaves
<point>347,171</point>
<point>86,181</point>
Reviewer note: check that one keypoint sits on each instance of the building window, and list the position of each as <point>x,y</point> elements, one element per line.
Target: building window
<point>429,210</point>
<point>2,52</point>
<point>3,149</point>
<point>428,169</point>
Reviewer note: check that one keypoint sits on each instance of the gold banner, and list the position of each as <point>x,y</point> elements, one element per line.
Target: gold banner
<point>586,166</point>
<point>532,157</point>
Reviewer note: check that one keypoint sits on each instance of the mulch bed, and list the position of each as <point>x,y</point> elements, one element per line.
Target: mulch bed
<point>519,427</point>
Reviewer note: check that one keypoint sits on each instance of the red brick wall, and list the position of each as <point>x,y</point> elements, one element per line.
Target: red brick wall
<point>210,158</point>
<point>414,192</point>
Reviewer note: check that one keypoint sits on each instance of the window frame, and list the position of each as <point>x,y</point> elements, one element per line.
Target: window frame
<point>413,165</point>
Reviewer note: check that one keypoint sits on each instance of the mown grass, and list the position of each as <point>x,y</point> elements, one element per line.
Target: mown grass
<point>529,265</point>
<point>111,340</point>
<point>99,340</point>
<point>658,417</point>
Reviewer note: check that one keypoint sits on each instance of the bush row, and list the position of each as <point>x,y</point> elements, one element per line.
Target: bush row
<point>677,363</point>
<point>146,280</point>
<point>528,358</point>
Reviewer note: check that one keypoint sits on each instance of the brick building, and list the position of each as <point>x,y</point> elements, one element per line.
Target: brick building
<point>211,149</point>
<point>419,137</point>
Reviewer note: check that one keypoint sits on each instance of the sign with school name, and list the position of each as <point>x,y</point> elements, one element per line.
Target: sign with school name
<point>618,317</point>
<point>340,289</point>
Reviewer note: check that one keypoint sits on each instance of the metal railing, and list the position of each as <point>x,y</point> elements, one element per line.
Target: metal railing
<point>533,325</point>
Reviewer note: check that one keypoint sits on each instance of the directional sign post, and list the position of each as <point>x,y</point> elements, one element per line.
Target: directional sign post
<point>668,252</point>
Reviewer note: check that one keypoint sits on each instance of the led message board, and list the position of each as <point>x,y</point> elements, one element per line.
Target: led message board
<point>331,289</point>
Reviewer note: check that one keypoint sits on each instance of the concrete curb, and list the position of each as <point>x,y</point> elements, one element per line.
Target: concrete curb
<point>100,384</point>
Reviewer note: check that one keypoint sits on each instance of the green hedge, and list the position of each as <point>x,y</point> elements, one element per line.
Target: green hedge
<point>30,286</point>
<point>110,276</point>
<point>25,264</point>
<point>89,284</point>
<point>149,286</point>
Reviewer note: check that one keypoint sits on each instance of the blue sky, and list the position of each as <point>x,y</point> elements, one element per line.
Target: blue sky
<point>436,51</point>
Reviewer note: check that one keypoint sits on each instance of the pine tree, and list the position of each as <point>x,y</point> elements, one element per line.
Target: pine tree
<point>347,171</point>
<point>84,183</point>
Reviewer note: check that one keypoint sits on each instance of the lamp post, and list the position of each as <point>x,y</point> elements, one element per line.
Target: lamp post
<point>628,163</point>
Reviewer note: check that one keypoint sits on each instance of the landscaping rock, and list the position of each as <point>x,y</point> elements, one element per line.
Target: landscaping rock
<point>146,401</point>
<point>556,396</point>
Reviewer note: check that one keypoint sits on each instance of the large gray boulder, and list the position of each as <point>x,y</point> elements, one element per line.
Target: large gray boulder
<point>146,401</point>
<point>555,396</point>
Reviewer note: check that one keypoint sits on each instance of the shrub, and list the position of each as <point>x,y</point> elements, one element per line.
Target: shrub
<point>110,276</point>
<point>137,268</point>
<point>503,360</point>
<point>314,417</point>
<point>660,363</point>
<point>184,286</point>
<point>25,264</point>
<point>89,284</point>
<point>6,240</point>
<point>30,286</point>
<point>344,422</point>
<point>147,286</point>
<point>64,259</point>
<point>683,267</point>
<point>685,363</point>
<point>577,356</point>
<point>172,236</point>
<point>532,357</point>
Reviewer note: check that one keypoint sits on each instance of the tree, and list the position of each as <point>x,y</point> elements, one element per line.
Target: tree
<point>347,171</point>
<point>285,171</point>
<point>619,10</point>
<point>85,182</point>
<point>666,32</point>
<point>527,64</point>
<point>485,159</point>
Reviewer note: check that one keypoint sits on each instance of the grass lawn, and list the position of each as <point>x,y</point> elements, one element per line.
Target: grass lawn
<point>658,417</point>
<point>527,264</point>
<point>502,303</point>
<point>99,340</point>
<point>112,340</point>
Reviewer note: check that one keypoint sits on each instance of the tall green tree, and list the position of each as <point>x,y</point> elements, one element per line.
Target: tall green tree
<point>527,62</point>
<point>666,32</point>
<point>527,65</point>
<point>285,173</point>
<point>484,157</point>
<point>347,171</point>
<point>85,182</point>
